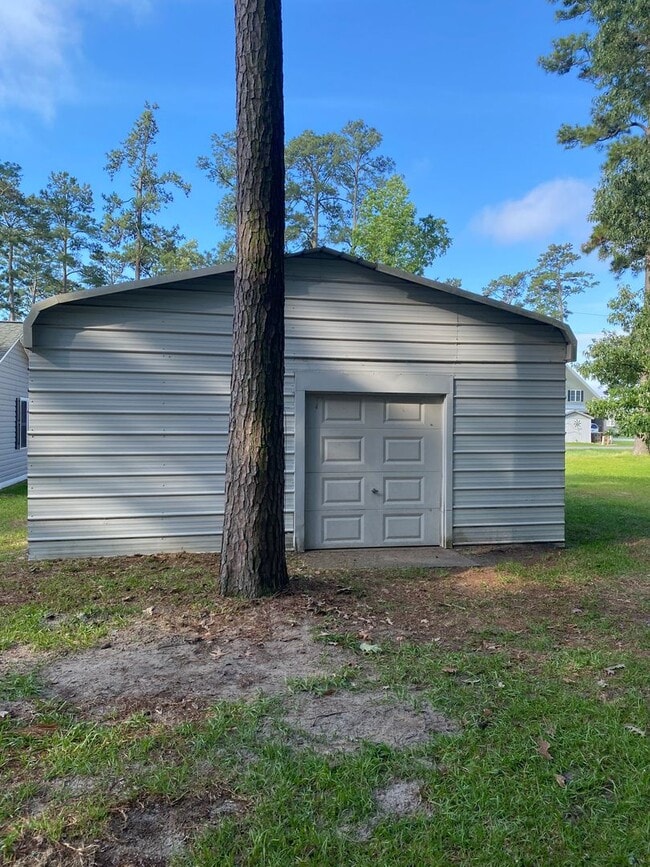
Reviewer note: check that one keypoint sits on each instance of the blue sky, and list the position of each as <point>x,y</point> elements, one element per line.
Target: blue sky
<point>455,89</point>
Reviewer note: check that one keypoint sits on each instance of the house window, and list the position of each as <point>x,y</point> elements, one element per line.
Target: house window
<point>21,423</point>
<point>575,395</point>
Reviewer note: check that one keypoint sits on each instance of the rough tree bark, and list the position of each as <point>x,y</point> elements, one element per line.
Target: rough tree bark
<point>252,555</point>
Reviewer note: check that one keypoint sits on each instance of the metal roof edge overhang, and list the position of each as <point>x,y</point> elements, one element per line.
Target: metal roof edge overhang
<point>216,270</point>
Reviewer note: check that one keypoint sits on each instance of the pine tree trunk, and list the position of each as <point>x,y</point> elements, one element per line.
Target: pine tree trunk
<point>252,555</point>
<point>13,311</point>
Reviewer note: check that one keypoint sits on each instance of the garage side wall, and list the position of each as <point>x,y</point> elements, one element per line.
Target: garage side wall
<point>129,400</point>
<point>128,424</point>
<point>13,384</point>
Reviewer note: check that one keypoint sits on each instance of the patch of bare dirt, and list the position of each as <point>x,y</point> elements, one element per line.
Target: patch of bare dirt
<point>344,720</point>
<point>172,673</point>
<point>19,709</point>
<point>400,799</point>
<point>21,660</point>
<point>144,834</point>
<point>150,834</point>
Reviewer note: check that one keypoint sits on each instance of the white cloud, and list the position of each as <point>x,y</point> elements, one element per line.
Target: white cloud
<point>39,43</point>
<point>556,206</point>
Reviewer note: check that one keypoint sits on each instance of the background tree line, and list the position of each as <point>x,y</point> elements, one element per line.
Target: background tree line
<point>610,51</point>
<point>341,190</point>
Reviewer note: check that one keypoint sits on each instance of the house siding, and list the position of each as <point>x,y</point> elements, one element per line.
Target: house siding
<point>130,398</point>
<point>13,384</point>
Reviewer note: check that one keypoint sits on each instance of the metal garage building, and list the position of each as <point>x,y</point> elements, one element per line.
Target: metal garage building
<point>416,413</point>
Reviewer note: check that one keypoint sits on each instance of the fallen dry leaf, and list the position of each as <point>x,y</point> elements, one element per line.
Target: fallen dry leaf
<point>560,779</point>
<point>614,668</point>
<point>543,749</point>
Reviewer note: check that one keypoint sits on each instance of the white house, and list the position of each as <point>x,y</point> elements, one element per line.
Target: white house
<point>577,420</point>
<point>416,413</point>
<point>13,405</point>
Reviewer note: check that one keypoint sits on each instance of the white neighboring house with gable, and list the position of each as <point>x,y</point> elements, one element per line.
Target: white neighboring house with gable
<point>13,405</point>
<point>577,420</point>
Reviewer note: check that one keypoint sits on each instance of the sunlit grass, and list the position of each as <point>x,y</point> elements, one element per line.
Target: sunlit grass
<point>13,519</point>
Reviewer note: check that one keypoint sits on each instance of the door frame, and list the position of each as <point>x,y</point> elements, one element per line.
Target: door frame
<point>368,383</point>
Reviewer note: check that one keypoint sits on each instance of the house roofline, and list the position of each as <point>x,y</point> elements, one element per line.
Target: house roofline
<point>6,353</point>
<point>586,384</point>
<point>216,270</point>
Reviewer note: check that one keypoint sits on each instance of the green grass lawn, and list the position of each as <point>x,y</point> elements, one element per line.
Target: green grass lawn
<point>541,657</point>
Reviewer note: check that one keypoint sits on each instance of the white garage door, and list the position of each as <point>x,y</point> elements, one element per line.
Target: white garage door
<point>373,471</point>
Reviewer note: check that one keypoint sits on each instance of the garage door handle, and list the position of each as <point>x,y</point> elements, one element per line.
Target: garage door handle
<point>375,491</point>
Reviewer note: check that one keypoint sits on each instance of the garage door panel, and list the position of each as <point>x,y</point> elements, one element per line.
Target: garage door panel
<point>403,413</point>
<point>342,450</point>
<point>341,491</point>
<point>337,410</point>
<point>337,529</point>
<point>403,449</point>
<point>342,529</point>
<point>403,528</point>
<point>404,489</point>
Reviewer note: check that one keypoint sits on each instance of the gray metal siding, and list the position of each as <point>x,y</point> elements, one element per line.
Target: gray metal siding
<point>129,405</point>
<point>13,384</point>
